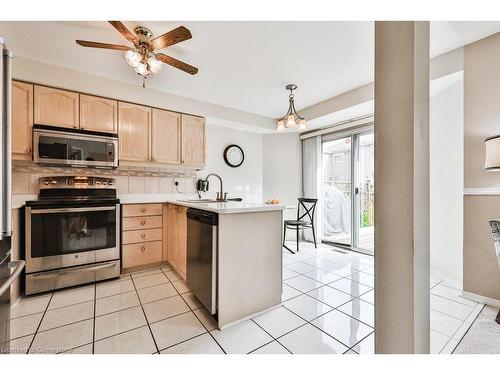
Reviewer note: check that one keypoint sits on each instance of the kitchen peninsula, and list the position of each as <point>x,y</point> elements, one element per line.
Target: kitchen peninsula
<point>249,254</point>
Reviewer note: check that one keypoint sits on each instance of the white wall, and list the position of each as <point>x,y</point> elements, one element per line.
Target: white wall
<point>245,181</point>
<point>283,172</point>
<point>282,167</point>
<point>446,176</point>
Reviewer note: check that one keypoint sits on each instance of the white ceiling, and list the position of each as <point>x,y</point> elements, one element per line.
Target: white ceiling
<point>242,65</point>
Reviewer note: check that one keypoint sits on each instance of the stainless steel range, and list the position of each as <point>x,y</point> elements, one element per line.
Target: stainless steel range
<point>72,233</point>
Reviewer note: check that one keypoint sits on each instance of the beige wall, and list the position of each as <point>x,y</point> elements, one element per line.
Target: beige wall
<point>481,273</point>
<point>481,119</point>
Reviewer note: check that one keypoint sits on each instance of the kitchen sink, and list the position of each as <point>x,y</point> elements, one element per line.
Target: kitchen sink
<point>199,200</point>
<point>211,200</point>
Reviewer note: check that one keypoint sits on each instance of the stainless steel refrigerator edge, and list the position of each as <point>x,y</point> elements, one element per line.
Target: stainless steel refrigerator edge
<point>6,277</point>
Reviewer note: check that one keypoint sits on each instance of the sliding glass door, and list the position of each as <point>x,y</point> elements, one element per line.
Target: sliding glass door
<point>348,205</point>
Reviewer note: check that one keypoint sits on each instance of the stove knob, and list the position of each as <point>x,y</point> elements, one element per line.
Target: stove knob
<point>98,182</point>
<point>53,182</point>
<point>46,182</point>
<point>104,183</point>
<point>110,182</point>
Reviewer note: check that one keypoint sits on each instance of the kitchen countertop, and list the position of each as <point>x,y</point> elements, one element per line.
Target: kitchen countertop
<point>219,207</point>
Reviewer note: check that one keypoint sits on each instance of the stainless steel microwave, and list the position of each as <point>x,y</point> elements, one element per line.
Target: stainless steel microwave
<point>75,148</point>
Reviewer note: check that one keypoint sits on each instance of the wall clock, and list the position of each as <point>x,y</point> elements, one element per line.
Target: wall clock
<point>234,156</point>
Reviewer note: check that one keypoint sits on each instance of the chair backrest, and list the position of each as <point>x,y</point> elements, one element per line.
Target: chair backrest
<point>309,207</point>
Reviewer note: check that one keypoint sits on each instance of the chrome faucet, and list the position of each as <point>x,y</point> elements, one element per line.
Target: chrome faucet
<point>221,196</point>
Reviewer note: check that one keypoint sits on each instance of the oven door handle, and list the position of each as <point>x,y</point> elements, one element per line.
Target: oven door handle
<point>69,209</point>
<point>66,272</point>
<point>19,265</point>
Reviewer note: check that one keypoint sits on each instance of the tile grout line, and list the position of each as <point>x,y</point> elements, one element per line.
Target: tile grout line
<point>93,320</point>
<point>468,329</point>
<point>39,324</point>
<point>145,316</point>
<point>213,338</point>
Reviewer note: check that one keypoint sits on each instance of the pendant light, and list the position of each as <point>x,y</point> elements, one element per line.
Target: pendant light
<point>291,118</point>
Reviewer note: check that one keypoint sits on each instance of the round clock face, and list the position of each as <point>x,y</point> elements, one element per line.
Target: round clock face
<point>234,156</point>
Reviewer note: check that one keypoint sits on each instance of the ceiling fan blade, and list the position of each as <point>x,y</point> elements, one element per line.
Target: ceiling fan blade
<point>122,29</point>
<point>176,63</point>
<point>174,36</point>
<point>86,43</point>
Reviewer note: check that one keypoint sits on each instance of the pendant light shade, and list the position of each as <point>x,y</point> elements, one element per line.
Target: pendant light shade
<point>492,162</point>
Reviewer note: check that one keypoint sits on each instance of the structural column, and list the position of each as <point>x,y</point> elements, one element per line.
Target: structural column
<point>402,187</point>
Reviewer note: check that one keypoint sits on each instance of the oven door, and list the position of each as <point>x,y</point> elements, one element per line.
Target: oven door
<point>58,237</point>
<point>53,147</point>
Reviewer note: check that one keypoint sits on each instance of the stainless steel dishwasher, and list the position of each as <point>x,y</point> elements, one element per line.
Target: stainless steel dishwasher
<point>201,273</point>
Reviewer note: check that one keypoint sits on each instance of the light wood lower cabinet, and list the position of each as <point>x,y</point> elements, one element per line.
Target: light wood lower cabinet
<point>142,236</point>
<point>175,237</point>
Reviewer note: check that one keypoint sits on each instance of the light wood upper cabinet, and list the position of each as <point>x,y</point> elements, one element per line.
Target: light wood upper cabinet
<point>193,140</point>
<point>98,114</point>
<point>134,126</point>
<point>56,107</point>
<point>165,138</point>
<point>22,119</point>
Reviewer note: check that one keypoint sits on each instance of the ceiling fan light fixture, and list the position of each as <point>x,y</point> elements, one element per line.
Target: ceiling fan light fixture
<point>154,64</point>
<point>133,58</point>
<point>142,69</point>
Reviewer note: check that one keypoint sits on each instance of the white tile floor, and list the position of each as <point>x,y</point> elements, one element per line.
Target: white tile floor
<point>328,308</point>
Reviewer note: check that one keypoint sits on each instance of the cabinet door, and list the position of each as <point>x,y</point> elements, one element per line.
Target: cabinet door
<point>165,137</point>
<point>22,119</point>
<point>56,107</point>
<point>134,127</point>
<point>193,140</point>
<point>98,114</point>
<point>172,253</point>
<point>182,241</point>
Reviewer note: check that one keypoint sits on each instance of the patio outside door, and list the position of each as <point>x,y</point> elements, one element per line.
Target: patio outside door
<point>348,191</point>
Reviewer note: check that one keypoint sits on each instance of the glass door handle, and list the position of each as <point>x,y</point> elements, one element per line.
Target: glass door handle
<point>356,191</point>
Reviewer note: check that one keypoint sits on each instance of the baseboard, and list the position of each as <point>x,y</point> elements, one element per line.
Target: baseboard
<point>481,299</point>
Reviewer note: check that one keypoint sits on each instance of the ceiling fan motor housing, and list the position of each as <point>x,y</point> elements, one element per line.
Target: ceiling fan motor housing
<point>143,33</point>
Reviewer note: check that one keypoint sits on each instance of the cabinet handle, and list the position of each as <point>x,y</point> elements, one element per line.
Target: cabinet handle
<point>143,209</point>
<point>143,248</point>
<point>143,222</point>
<point>28,150</point>
<point>143,235</point>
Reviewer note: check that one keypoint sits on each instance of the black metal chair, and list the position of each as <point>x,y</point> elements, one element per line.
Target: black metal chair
<point>304,221</point>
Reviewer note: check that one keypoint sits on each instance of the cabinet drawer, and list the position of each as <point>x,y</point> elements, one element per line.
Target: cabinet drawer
<point>141,253</point>
<point>142,222</point>
<point>135,236</point>
<point>131,210</point>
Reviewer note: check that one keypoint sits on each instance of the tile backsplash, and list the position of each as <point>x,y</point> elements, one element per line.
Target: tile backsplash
<point>129,180</point>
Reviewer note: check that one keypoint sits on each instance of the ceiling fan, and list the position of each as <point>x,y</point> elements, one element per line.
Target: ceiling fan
<point>143,56</point>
